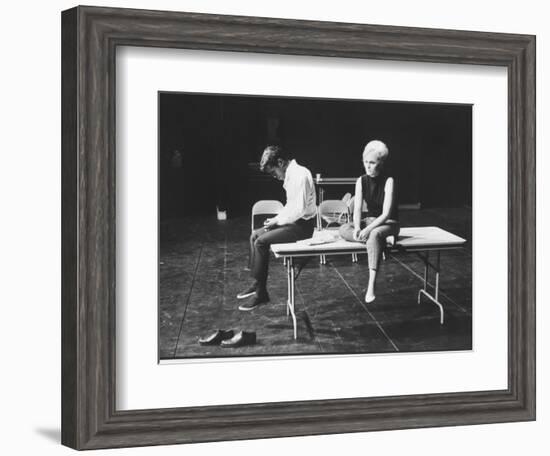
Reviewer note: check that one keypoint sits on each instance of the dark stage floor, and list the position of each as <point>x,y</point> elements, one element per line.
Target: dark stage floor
<point>202,265</point>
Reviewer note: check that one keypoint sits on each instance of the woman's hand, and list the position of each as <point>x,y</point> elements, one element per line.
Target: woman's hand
<point>363,234</point>
<point>356,232</point>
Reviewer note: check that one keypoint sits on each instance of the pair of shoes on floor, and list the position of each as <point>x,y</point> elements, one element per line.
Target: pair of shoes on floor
<point>240,339</point>
<point>228,338</point>
<point>217,337</point>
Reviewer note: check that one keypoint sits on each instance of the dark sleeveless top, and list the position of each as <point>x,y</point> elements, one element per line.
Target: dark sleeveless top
<point>373,195</point>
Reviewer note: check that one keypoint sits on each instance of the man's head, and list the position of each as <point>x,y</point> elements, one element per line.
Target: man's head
<point>274,161</point>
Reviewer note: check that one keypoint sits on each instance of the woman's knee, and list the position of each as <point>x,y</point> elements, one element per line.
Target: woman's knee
<point>346,231</point>
<point>375,237</point>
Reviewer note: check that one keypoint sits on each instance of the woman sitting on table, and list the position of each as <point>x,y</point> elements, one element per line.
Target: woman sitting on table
<point>378,190</point>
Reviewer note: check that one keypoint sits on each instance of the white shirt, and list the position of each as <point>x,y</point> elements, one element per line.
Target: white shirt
<point>300,195</point>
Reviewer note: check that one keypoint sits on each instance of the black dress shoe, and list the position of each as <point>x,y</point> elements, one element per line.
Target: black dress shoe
<point>251,290</point>
<point>258,299</point>
<point>240,339</point>
<point>216,337</point>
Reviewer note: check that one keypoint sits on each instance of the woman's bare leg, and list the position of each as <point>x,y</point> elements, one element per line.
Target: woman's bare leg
<point>376,244</point>
<point>370,296</point>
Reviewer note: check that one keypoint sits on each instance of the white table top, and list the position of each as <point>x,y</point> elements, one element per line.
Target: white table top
<point>409,239</point>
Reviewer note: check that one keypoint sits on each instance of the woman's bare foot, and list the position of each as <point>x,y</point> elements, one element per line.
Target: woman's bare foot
<point>369,297</point>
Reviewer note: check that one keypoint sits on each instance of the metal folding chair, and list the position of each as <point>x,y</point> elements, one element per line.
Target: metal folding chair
<point>265,207</point>
<point>331,212</point>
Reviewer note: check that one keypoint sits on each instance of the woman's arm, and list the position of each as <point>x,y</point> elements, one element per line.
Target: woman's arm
<point>358,204</point>
<point>357,207</point>
<point>386,210</point>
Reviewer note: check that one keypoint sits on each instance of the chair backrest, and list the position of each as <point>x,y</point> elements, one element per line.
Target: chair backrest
<point>332,211</point>
<point>265,207</point>
<point>347,197</point>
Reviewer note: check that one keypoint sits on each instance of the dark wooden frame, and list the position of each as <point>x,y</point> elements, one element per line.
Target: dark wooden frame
<point>90,36</point>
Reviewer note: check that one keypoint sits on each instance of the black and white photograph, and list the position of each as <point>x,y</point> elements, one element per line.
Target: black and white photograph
<point>312,226</point>
<point>248,228</point>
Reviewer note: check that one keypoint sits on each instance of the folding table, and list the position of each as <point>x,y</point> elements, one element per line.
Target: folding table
<point>418,240</point>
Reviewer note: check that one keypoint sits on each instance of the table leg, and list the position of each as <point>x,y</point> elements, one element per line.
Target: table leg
<point>288,272</point>
<point>426,260</point>
<point>426,270</point>
<point>292,294</point>
<point>424,291</point>
<point>437,276</point>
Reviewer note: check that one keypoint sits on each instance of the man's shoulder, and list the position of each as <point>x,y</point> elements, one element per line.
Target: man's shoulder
<point>302,170</point>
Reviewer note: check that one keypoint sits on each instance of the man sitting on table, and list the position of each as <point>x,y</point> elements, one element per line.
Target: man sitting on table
<point>295,221</point>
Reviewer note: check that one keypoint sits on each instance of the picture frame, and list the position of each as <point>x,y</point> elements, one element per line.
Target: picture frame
<point>90,36</point>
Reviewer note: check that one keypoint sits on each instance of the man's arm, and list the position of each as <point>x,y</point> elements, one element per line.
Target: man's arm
<point>357,208</point>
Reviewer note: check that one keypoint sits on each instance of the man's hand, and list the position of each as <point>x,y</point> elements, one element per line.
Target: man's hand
<point>270,223</point>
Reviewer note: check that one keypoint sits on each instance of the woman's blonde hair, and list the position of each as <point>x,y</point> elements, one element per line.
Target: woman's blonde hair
<point>377,149</point>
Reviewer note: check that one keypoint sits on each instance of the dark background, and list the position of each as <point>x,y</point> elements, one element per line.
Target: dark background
<point>221,138</point>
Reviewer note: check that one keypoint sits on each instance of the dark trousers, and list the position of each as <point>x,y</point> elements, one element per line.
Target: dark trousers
<point>261,239</point>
